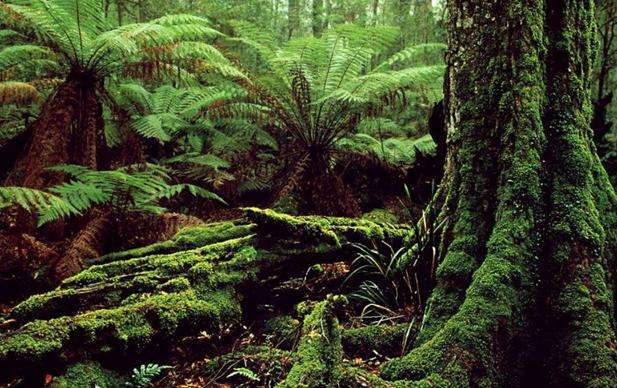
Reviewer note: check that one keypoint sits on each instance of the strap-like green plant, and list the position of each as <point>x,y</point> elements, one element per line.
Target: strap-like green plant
<point>135,188</point>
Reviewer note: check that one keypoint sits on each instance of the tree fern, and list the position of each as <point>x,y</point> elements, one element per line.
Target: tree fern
<point>49,206</point>
<point>76,38</point>
<point>316,91</point>
<point>168,111</point>
<point>132,188</point>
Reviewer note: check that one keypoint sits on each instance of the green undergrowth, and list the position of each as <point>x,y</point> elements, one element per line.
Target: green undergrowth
<point>88,374</point>
<point>400,152</point>
<point>320,352</point>
<point>132,302</point>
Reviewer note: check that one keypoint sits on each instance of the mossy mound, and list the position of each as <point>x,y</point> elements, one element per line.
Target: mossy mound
<point>88,374</point>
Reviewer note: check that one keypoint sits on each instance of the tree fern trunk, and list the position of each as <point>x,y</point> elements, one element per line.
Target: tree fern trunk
<point>50,142</point>
<point>68,130</point>
<point>88,130</point>
<point>531,216</point>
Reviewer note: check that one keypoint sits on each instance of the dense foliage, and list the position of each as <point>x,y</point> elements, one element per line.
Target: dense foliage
<point>384,172</point>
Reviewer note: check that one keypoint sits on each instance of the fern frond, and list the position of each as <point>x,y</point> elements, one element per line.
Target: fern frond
<point>196,191</point>
<point>81,195</point>
<point>205,160</point>
<point>12,92</point>
<point>10,36</point>
<point>413,52</point>
<point>19,54</point>
<point>50,207</point>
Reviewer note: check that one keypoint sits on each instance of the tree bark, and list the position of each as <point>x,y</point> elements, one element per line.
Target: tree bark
<point>50,141</point>
<point>526,272</point>
<point>68,130</point>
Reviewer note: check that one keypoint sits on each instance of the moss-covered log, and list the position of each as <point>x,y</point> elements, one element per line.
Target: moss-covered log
<point>132,301</point>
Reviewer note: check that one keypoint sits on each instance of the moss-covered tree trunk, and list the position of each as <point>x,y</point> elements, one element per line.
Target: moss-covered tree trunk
<point>524,289</point>
<point>204,279</point>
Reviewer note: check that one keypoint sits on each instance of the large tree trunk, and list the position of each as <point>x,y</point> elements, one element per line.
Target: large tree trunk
<point>531,216</point>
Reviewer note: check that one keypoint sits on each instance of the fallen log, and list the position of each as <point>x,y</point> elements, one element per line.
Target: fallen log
<point>146,298</point>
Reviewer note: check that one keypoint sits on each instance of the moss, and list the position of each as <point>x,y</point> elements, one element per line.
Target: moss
<point>332,231</point>
<point>381,216</point>
<point>388,340</point>
<point>486,282</point>
<point>276,362</point>
<point>456,269</point>
<point>42,305</point>
<point>356,377</point>
<point>175,285</point>
<point>320,353</point>
<point>282,331</point>
<point>582,221</point>
<point>186,239</point>
<point>126,328</point>
<point>313,230</point>
<point>35,342</point>
<point>86,375</point>
<point>151,297</point>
